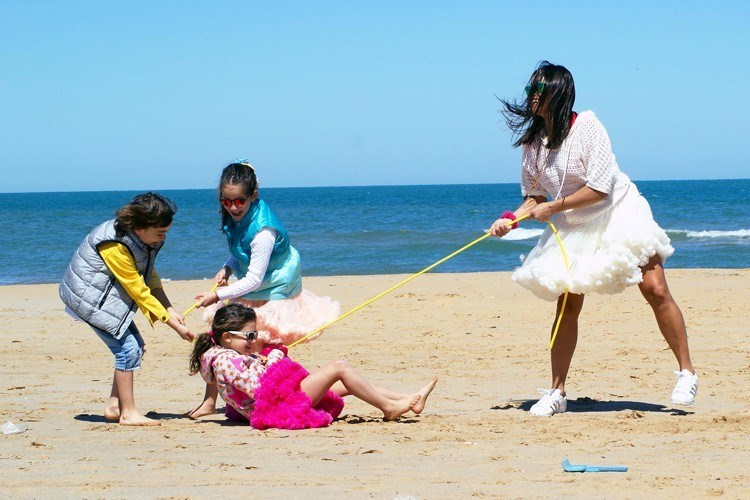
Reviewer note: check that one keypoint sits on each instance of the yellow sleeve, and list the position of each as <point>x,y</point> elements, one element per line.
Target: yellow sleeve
<point>120,262</point>
<point>154,281</point>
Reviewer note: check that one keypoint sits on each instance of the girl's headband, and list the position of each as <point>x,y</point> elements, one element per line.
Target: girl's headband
<point>245,162</point>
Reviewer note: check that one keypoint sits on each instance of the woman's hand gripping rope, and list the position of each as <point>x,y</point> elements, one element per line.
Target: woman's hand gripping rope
<point>426,269</point>
<point>542,212</point>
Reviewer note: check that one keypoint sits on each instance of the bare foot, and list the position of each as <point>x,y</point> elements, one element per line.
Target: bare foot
<point>137,419</point>
<point>423,393</point>
<point>400,406</point>
<point>206,408</point>
<point>112,413</point>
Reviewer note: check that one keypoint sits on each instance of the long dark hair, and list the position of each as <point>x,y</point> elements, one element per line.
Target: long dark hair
<point>241,172</point>
<point>558,97</point>
<point>229,317</point>
<point>144,211</point>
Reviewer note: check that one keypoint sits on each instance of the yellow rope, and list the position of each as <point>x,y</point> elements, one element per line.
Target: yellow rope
<point>565,297</point>
<point>190,309</point>
<point>426,269</point>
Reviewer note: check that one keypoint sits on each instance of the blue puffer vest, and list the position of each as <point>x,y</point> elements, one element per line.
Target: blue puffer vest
<point>91,291</point>
<point>283,278</point>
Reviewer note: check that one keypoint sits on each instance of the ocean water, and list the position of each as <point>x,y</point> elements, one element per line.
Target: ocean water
<point>363,230</point>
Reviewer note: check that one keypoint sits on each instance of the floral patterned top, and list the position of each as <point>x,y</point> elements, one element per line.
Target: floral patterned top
<point>237,375</point>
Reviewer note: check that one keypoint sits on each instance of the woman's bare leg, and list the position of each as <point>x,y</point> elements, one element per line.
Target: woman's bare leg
<point>208,406</point>
<point>668,315</point>
<point>320,381</point>
<point>566,340</point>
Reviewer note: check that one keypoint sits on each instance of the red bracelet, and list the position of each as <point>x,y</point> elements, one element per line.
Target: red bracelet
<point>510,215</point>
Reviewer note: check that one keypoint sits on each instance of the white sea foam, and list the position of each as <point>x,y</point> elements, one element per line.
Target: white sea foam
<point>738,233</point>
<point>521,233</point>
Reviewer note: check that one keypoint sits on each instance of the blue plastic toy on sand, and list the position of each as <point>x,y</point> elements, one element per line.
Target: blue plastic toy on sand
<point>568,467</point>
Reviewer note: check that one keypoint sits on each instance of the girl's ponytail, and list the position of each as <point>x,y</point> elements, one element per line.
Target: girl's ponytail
<point>230,317</point>
<point>203,343</point>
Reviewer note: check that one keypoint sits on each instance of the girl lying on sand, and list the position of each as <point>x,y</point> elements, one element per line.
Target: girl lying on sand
<point>261,384</point>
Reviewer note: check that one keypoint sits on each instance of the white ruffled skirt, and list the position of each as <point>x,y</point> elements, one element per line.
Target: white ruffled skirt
<point>287,320</point>
<point>605,254</point>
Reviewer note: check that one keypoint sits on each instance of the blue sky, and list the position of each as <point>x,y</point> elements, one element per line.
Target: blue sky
<point>161,95</point>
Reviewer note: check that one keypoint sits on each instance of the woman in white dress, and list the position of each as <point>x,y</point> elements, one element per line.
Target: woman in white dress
<point>610,237</point>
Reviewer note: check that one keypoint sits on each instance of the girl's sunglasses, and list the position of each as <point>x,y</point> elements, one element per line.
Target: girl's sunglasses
<point>237,202</point>
<point>538,90</point>
<point>249,336</point>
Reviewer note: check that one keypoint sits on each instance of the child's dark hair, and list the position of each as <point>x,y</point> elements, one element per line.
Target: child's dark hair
<point>144,211</point>
<point>240,172</point>
<point>229,317</point>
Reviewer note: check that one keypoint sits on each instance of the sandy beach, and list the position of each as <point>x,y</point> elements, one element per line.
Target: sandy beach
<point>485,337</point>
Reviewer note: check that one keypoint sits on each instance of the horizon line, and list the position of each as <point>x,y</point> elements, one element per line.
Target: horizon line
<point>344,186</point>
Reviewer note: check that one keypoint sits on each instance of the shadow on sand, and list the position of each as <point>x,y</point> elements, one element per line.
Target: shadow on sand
<point>589,405</point>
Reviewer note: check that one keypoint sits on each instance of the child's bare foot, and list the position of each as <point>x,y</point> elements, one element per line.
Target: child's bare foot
<point>400,406</point>
<point>206,408</point>
<point>137,419</point>
<point>423,393</point>
<point>112,413</point>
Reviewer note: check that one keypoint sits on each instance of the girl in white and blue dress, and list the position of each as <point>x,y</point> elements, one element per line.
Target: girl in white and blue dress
<point>609,233</point>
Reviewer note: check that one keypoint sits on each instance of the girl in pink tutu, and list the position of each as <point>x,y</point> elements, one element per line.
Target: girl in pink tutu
<point>265,387</point>
<point>267,267</point>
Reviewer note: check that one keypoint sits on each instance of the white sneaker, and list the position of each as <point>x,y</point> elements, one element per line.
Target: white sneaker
<point>552,402</point>
<point>686,389</point>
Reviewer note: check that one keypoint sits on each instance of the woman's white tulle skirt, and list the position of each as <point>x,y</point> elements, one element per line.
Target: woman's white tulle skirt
<point>605,254</point>
<point>285,321</point>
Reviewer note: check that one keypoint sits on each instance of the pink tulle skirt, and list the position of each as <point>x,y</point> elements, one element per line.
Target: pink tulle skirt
<point>280,403</point>
<point>285,321</point>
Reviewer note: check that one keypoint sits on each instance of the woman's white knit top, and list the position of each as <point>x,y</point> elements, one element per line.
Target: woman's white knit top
<point>584,159</point>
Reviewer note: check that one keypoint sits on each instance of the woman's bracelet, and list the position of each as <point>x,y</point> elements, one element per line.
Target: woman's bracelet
<point>511,216</point>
